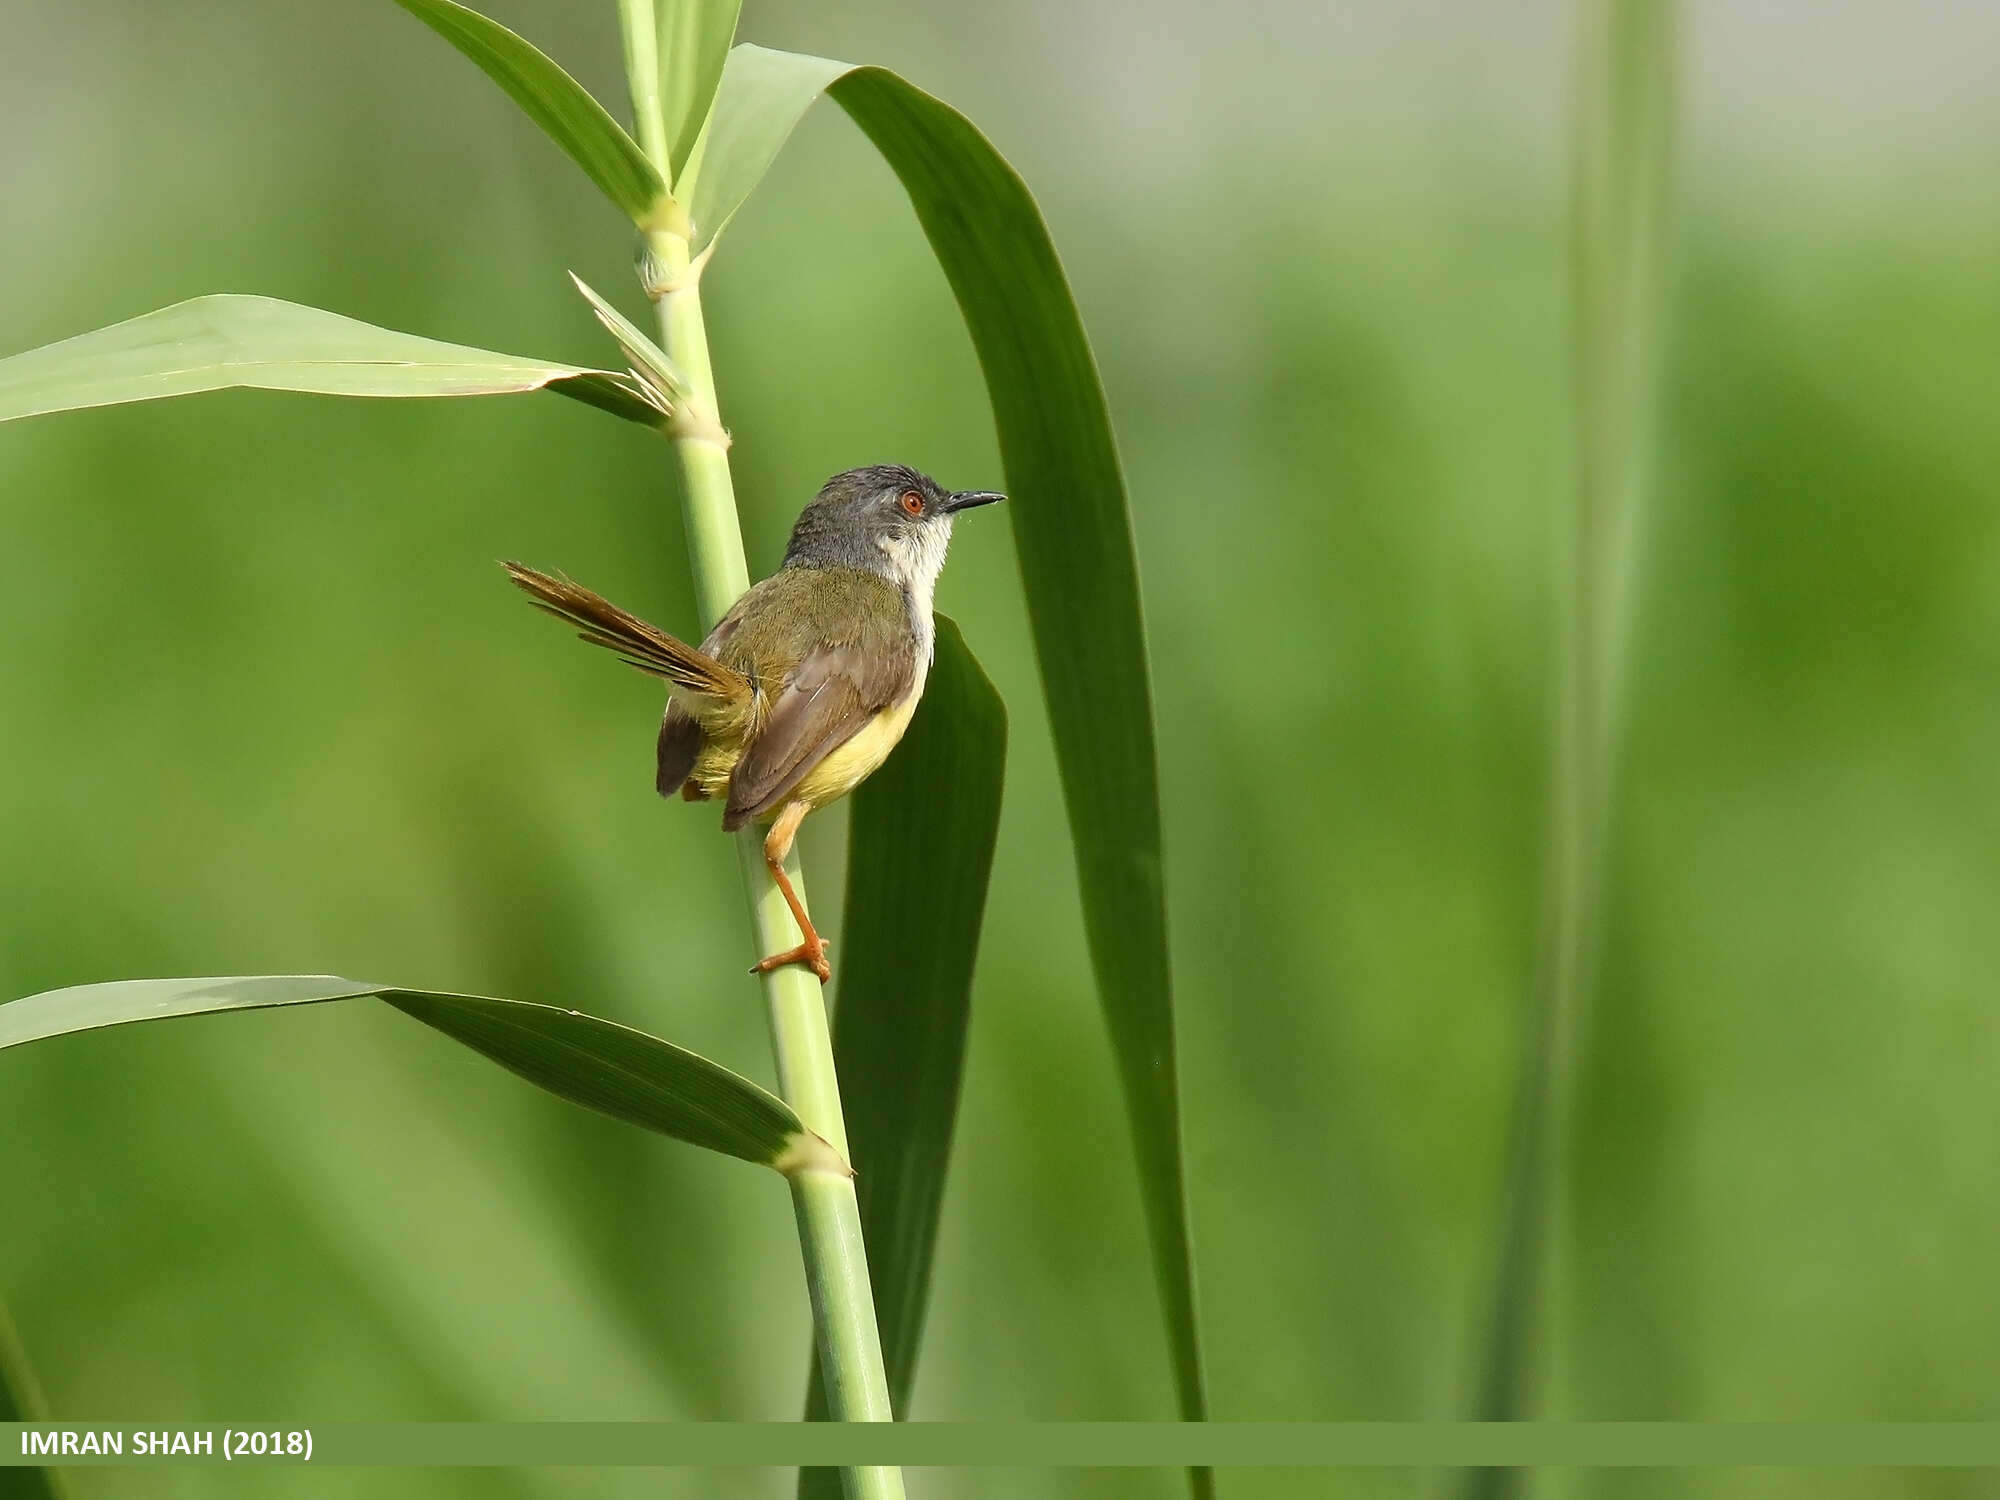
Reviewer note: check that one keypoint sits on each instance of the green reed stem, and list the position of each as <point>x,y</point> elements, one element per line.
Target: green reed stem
<point>829,1216</point>
<point>1623,124</point>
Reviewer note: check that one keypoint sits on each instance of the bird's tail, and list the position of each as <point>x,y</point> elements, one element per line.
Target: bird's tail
<point>644,646</point>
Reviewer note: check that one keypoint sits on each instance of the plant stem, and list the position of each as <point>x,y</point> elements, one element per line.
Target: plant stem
<point>642,73</point>
<point>1623,114</point>
<point>829,1217</point>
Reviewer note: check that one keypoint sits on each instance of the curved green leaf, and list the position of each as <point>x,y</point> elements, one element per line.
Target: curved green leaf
<point>215,343</point>
<point>1622,127</point>
<point>926,821</point>
<point>564,109</point>
<point>613,1069</point>
<point>762,97</point>
<point>21,1400</point>
<point>1074,536</point>
<point>694,45</point>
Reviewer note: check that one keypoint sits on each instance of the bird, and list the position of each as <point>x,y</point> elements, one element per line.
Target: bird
<point>808,681</point>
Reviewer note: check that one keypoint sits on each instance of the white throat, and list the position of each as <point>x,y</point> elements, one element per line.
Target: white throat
<point>914,564</point>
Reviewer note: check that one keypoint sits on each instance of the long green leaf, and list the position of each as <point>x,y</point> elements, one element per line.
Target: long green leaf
<point>599,1064</point>
<point>564,109</point>
<point>1623,115</point>
<point>926,821</point>
<point>694,45</point>
<point>762,97</point>
<point>21,1400</point>
<point>214,343</point>
<point>1074,537</point>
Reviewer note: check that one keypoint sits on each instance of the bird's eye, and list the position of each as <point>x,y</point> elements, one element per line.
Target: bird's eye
<point>913,502</point>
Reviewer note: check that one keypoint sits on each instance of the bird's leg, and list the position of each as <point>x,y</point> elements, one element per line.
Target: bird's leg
<point>778,844</point>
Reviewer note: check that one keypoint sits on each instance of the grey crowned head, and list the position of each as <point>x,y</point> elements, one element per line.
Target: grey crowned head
<point>887,518</point>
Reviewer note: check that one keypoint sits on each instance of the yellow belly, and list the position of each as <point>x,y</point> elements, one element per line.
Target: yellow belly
<point>846,768</point>
<point>841,772</point>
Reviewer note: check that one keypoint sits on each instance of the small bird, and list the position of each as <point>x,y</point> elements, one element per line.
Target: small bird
<point>808,682</point>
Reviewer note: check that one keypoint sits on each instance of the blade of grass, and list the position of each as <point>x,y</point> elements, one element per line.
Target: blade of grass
<point>762,97</point>
<point>21,1400</point>
<point>1623,123</point>
<point>1073,532</point>
<point>694,44</point>
<point>599,1064</point>
<point>566,112</point>
<point>219,342</point>
<point>926,821</point>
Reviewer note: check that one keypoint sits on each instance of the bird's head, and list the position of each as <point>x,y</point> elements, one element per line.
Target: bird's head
<point>888,519</point>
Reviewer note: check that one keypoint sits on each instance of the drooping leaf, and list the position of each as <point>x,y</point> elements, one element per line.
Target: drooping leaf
<point>620,1072</point>
<point>215,343</point>
<point>564,109</point>
<point>926,822</point>
<point>1074,536</point>
<point>694,44</point>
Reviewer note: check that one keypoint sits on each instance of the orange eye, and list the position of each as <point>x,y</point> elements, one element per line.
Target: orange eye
<point>913,502</point>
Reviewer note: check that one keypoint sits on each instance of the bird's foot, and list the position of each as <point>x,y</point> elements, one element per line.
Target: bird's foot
<point>811,953</point>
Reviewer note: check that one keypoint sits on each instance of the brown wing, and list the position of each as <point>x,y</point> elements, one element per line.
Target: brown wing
<point>680,739</point>
<point>679,747</point>
<point>728,625</point>
<point>836,690</point>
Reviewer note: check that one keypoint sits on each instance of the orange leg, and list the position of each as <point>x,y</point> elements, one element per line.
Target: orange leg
<point>778,844</point>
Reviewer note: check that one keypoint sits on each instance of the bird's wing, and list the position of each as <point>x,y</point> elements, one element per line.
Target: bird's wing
<point>729,624</point>
<point>681,736</point>
<point>677,749</point>
<point>836,689</point>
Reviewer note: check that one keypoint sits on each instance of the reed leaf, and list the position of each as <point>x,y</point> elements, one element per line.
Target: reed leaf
<point>1073,533</point>
<point>21,1400</point>
<point>762,97</point>
<point>694,46</point>
<point>599,1064</point>
<point>651,368</point>
<point>925,823</point>
<point>563,108</point>
<point>1622,135</point>
<point>224,341</point>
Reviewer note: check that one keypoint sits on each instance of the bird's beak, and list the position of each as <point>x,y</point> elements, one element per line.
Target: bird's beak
<point>966,499</point>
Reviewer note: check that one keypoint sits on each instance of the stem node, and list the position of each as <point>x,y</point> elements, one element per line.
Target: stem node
<point>811,1152</point>
<point>665,264</point>
<point>690,424</point>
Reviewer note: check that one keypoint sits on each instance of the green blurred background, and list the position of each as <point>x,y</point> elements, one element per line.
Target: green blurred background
<point>268,706</point>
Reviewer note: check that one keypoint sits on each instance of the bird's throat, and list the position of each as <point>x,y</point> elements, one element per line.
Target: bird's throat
<point>914,563</point>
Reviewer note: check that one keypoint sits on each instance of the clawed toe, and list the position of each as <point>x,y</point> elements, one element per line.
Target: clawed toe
<point>811,953</point>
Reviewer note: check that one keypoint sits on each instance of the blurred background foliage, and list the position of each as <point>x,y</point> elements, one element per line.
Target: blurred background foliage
<point>269,706</point>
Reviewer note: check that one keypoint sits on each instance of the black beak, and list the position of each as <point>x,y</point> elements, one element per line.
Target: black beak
<point>966,499</point>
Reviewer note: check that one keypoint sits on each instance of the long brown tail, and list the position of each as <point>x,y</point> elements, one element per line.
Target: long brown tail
<point>644,646</point>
